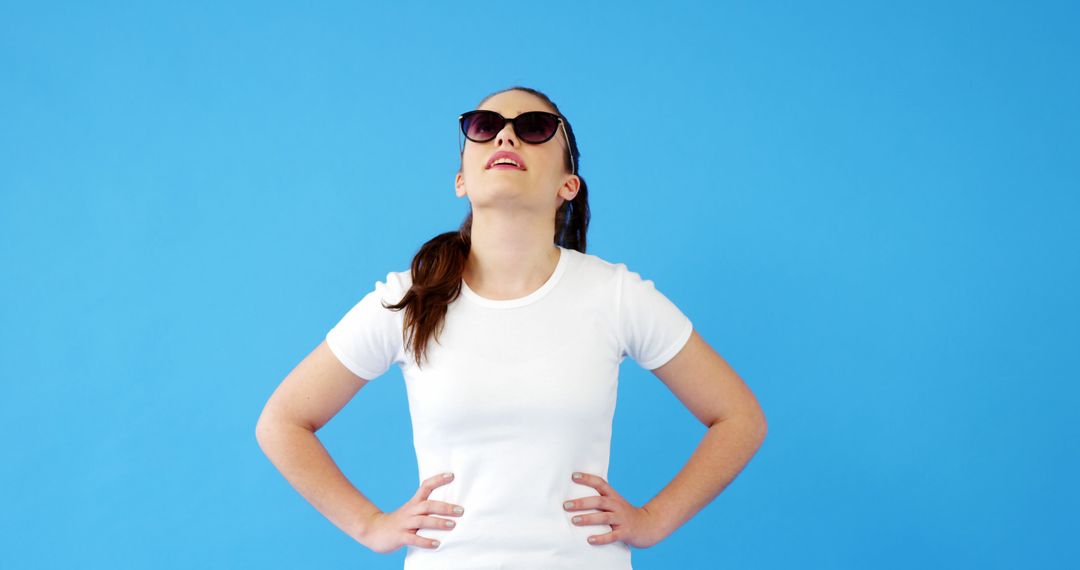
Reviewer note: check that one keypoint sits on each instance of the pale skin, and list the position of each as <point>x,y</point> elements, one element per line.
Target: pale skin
<point>510,256</point>
<point>704,382</point>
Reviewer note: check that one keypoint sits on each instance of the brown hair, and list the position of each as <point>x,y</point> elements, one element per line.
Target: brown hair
<point>439,264</point>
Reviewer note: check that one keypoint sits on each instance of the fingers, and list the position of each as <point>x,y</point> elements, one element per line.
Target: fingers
<point>424,521</point>
<point>610,503</point>
<point>431,483</point>
<point>422,506</point>
<point>586,519</point>
<point>606,538</point>
<point>413,539</point>
<point>595,481</point>
<point>433,507</point>
<point>605,503</point>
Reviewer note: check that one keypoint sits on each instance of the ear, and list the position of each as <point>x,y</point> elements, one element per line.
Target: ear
<point>569,189</point>
<point>459,184</point>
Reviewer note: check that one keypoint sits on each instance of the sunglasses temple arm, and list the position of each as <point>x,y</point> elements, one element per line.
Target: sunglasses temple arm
<point>573,167</point>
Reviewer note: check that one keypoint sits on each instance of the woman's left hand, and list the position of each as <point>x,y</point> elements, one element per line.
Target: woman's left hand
<point>629,524</point>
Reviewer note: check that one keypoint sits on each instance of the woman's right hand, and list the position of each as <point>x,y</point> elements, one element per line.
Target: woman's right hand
<point>387,532</point>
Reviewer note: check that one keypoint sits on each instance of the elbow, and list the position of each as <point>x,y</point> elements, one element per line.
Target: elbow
<point>261,426</point>
<point>754,425</point>
<point>751,418</point>
<point>265,428</point>
<point>759,425</point>
<point>762,428</point>
<point>271,428</point>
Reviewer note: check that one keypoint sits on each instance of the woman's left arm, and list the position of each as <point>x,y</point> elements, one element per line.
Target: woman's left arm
<point>713,392</point>
<point>705,383</point>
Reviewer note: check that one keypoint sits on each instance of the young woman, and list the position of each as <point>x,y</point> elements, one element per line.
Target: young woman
<point>509,337</point>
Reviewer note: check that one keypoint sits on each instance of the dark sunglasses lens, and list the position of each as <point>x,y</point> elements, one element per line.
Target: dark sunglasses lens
<point>483,126</point>
<point>535,127</point>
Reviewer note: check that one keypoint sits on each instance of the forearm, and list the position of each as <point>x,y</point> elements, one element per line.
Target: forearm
<point>303,460</point>
<point>723,452</point>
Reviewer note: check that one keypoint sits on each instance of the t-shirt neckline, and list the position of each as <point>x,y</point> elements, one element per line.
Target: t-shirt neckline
<point>560,268</point>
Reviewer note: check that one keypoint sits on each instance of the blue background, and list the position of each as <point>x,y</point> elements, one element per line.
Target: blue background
<point>868,209</point>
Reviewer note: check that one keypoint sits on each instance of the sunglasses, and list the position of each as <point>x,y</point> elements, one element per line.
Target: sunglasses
<point>533,127</point>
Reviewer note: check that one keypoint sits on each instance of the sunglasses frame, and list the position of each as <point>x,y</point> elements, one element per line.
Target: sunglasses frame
<point>559,124</point>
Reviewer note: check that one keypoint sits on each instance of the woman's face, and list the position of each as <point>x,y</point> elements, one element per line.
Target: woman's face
<point>541,179</point>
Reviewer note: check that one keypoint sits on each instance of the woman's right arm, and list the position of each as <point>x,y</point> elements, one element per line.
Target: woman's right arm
<point>304,401</point>
<point>308,397</point>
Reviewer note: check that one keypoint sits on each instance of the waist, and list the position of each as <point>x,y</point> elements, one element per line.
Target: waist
<point>514,518</point>
<point>518,540</point>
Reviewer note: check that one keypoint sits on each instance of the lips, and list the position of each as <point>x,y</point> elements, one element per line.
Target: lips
<point>506,154</point>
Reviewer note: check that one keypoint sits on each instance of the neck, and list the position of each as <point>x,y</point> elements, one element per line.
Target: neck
<point>509,257</point>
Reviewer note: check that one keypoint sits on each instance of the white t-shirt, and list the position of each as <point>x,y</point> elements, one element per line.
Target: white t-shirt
<point>514,397</point>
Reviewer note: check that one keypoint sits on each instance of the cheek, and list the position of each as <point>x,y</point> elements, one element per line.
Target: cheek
<point>555,161</point>
<point>471,154</point>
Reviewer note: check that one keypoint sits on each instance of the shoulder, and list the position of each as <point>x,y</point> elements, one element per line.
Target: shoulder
<point>596,268</point>
<point>612,275</point>
<point>391,287</point>
<point>399,281</point>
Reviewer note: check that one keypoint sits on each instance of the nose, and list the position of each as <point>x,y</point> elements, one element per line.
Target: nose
<point>506,134</point>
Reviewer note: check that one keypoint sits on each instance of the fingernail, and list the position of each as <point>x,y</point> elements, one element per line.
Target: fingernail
<point>592,539</point>
<point>577,475</point>
<point>447,475</point>
<point>436,543</point>
<point>448,523</point>
<point>568,504</point>
<point>458,510</point>
<point>576,519</point>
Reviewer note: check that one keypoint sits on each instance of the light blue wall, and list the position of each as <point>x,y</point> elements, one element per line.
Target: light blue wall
<point>868,209</point>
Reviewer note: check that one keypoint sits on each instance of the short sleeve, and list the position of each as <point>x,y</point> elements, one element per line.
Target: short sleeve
<point>368,339</point>
<point>652,329</point>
